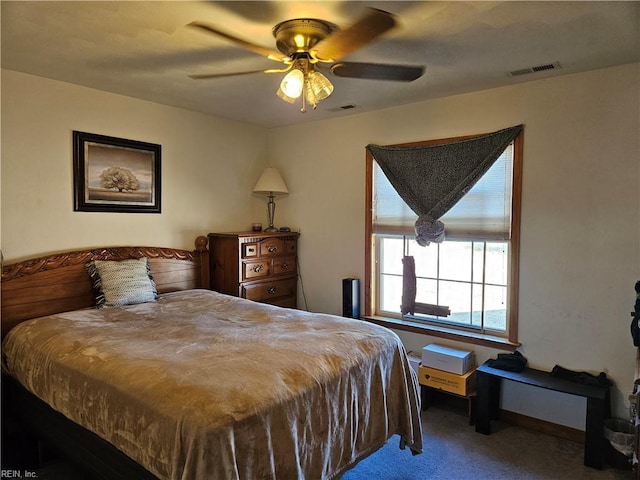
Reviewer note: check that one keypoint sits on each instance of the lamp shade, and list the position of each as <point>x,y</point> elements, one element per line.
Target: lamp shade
<point>270,182</point>
<point>292,83</point>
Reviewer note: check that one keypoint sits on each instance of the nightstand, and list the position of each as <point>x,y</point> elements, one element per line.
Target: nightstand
<point>259,266</point>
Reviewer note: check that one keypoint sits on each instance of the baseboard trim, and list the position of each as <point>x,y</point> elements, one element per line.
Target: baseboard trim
<point>524,421</point>
<point>542,426</point>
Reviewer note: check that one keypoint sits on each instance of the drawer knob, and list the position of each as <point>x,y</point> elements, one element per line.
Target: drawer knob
<point>272,249</point>
<point>285,265</point>
<point>271,290</point>
<point>258,268</point>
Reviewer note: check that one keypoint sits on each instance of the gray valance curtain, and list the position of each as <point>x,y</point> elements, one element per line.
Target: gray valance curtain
<point>431,179</point>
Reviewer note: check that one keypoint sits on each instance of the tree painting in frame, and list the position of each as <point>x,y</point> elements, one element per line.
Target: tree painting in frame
<point>115,174</point>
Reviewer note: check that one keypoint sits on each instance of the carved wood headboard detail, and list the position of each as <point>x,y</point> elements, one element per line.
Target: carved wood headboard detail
<point>59,283</point>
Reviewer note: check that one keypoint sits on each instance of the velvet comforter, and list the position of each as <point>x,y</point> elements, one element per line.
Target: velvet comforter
<point>202,385</point>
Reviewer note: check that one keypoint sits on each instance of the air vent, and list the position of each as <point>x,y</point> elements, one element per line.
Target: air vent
<point>539,68</point>
<point>343,107</point>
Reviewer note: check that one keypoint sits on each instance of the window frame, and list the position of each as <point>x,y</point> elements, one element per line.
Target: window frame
<point>510,341</point>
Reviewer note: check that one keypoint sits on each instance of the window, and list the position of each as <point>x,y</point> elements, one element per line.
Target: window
<point>467,277</point>
<point>472,274</point>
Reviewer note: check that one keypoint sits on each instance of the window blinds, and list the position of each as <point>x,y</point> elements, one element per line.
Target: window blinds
<point>484,212</point>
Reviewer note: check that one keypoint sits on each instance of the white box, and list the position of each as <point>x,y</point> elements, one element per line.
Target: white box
<point>448,359</point>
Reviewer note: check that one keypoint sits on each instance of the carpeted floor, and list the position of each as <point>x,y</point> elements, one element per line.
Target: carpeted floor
<point>454,451</point>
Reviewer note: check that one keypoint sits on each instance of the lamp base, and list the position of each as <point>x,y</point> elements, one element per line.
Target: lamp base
<point>270,229</point>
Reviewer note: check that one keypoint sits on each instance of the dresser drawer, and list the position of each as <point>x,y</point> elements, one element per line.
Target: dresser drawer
<point>291,247</point>
<point>270,291</point>
<point>284,265</point>
<point>272,246</point>
<point>287,302</point>
<point>253,270</point>
<point>249,250</point>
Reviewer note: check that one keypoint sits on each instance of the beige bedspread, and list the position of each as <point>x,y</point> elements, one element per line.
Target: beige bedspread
<point>199,385</point>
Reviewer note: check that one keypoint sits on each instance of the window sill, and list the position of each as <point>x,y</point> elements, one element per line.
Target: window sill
<point>444,332</point>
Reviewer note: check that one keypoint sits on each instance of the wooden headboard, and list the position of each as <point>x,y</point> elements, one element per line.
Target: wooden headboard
<point>59,283</point>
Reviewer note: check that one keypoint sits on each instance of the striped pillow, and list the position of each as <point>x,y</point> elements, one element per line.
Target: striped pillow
<point>124,282</point>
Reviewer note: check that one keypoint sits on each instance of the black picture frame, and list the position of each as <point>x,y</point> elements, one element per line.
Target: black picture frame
<point>112,174</point>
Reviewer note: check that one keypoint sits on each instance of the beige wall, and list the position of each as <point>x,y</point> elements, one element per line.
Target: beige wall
<point>581,204</point>
<point>580,254</point>
<point>209,167</point>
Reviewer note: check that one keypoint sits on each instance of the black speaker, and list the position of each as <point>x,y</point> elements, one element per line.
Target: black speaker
<point>351,297</point>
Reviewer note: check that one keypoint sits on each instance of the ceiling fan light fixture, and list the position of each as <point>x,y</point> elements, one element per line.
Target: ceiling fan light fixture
<point>308,98</point>
<point>292,84</point>
<point>312,86</point>
<point>319,85</point>
<point>284,96</point>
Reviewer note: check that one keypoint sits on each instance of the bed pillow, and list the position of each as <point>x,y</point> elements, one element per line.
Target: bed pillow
<point>123,282</point>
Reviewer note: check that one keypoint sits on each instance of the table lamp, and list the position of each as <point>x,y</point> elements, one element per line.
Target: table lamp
<point>271,183</point>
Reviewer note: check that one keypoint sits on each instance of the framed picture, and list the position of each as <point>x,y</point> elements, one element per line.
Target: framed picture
<point>115,174</point>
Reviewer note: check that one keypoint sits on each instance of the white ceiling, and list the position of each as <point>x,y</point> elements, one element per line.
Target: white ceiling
<point>143,49</point>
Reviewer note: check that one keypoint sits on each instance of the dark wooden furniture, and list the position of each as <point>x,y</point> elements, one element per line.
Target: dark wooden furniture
<point>57,283</point>
<point>259,266</point>
<point>598,403</point>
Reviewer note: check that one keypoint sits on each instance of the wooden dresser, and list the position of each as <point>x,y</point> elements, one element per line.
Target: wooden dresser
<point>259,266</point>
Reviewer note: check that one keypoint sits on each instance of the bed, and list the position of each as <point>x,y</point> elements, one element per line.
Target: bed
<point>192,383</point>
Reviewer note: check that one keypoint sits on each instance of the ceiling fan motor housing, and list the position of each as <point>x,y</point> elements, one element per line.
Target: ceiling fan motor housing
<point>301,34</point>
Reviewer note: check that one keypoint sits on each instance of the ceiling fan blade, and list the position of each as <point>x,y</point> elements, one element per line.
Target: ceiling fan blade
<point>260,50</point>
<point>377,71</point>
<point>221,75</point>
<point>363,31</point>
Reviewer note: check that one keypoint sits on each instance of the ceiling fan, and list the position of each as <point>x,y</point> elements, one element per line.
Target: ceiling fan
<point>305,45</point>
